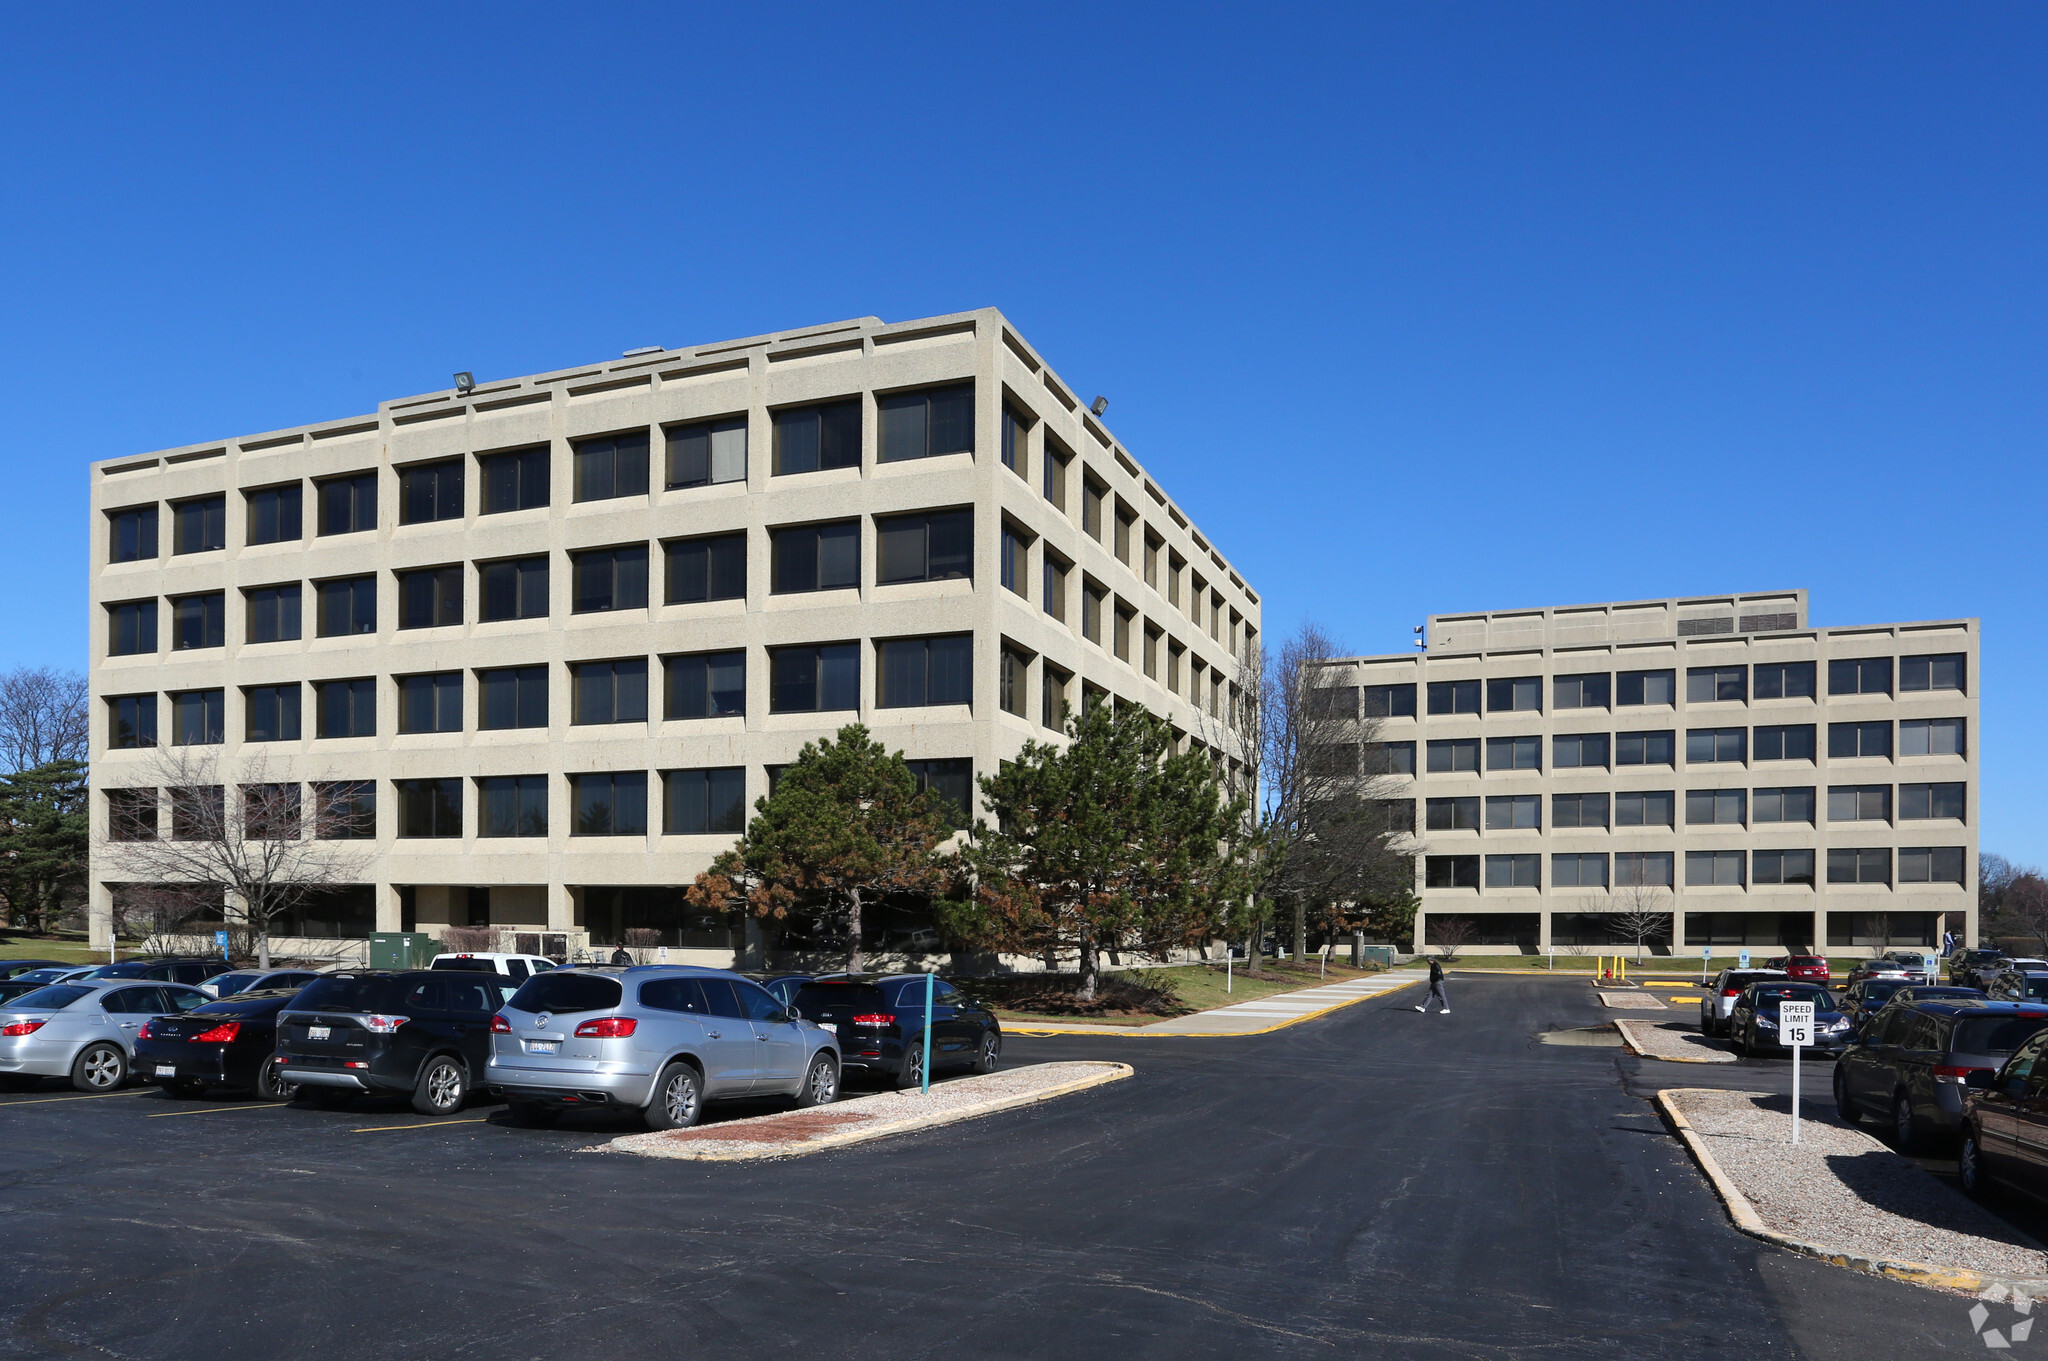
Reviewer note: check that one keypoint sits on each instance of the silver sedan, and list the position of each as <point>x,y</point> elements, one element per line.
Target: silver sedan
<point>83,1030</point>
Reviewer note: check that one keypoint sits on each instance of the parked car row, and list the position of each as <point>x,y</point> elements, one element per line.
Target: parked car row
<point>662,1040</point>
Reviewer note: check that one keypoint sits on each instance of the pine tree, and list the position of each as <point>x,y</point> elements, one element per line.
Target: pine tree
<point>45,836</point>
<point>845,825</point>
<point>1109,842</point>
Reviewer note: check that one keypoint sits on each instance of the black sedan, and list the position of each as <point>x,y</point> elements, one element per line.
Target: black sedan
<point>229,1043</point>
<point>1754,1021</point>
<point>14,968</point>
<point>880,1022</point>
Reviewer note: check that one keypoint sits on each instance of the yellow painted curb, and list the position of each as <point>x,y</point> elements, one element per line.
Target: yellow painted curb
<point>1621,1024</point>
<point>1750,1222</point>
<point>1112,1072</point>
<point>1140,1033</point>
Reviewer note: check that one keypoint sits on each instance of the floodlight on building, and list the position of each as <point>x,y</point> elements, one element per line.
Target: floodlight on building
<point>1099,405</point>
<point>465,383</point>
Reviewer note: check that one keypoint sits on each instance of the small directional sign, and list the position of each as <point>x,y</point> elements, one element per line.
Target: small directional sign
<point>1795,1024</point>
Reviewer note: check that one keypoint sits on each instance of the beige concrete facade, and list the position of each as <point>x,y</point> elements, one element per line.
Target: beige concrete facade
<point>1708,646</point>
<point>1189,613</point>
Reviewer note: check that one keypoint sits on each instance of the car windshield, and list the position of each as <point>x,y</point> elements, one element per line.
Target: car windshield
<point>348,992</point>
<point>41,975</point>
<point>1769,995</point>
<point>1996,1034</point>
<point>229,984</point>
<point>132,968</point>
<point>563,993</point>
<point>54,998</point>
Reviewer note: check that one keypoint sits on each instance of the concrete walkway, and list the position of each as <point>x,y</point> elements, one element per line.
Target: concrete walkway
<point>1241,1018</point>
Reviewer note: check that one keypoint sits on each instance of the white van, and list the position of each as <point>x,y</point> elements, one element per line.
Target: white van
<point>518,968</point>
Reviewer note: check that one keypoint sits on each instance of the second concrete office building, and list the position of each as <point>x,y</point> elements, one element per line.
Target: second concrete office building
<point>552,636</point>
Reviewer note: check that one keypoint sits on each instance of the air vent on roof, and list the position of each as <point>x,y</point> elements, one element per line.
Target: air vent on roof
<point>1766,623</point>
<point>1688,628</point>
<point>642,349</point>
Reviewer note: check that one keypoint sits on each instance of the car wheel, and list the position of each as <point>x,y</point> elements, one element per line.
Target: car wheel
<point>270,1084</point>
<point>1969,1165</point>
<point>912,1074</point>
<point>990,1054</point>
<point>99,1068</point>
<point>821,1083</point>
<point>678,1099</point>
<point>442,1088</point>
<point>533,1114</point>
<point>1843,1107</point>
<point>1905,1125</point>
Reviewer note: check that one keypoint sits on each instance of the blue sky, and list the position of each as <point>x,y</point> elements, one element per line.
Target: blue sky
<point>1415,308</point>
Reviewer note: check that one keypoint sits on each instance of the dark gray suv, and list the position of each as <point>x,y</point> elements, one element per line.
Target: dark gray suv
<point>661,1039</point>
<point>1910,1062</point>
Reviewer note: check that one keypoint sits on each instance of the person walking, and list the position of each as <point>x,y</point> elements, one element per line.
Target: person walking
<point>619,956</point>
<point>1436,991</point>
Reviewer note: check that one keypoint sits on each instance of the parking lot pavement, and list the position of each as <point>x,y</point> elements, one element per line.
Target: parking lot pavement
<point>1374,1183</point>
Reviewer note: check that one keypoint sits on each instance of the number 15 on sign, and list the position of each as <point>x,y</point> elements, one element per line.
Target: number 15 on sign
<point>1795,1031</point>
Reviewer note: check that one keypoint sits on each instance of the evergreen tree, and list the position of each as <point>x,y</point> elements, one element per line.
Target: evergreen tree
<point>45,837</point>
<point>845,824</point>
<point>1109,842</point>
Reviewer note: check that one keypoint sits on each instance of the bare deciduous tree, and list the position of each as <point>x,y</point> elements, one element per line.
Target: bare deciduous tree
<point>1450,935</point>
<point>1639,913</point>
<point>1330,845</point>
<point>642,941</point>
<point>469,940</point>
<point>43,717</point>
<point>257,847</point>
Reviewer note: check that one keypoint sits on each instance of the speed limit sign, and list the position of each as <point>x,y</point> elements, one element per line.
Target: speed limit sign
<point>1795,1032</point>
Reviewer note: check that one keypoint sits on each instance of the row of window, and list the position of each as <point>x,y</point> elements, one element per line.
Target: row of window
<point>806,439</point>
<point>699,801</point>
<point>909,673</point>
<point>1658,747</point>
<point>1703,869</point>
<point>1703,807</point>
<point>1628,689</point>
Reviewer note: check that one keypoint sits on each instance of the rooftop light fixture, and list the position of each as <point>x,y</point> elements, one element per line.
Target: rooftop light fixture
<point>1099,405</point>
<point>465,383</point>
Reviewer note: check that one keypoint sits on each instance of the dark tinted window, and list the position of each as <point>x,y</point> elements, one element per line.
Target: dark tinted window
<point>1996,1034</point>
<point>134,1001</point>
<point>673,994</point>
<point>514,589</point>
<point>348,992</point>
<point>430,703</point>
<point>759,1005</point>
<point>713,568</point>
<point>699,455</point>
<point>430,491</point>
<point>613,466</point>
<point>47,999</point>
<point>348,505</point>
<point>815,437</point>
<point>199,525</point>
<point>926,424</point>
<point>515,481</point>
<point>720,999</point>
<point>274,513</point>
<point>925,547</point>
<point>813,999</point>
<point>468,995</point>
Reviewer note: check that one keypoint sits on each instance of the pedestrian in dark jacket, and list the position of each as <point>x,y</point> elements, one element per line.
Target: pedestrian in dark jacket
<point>619,956</point>
<point>1436,990</point>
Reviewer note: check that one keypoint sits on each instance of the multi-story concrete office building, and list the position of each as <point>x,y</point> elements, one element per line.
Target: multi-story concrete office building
<point>539,643</point>
<point>1774,784</point>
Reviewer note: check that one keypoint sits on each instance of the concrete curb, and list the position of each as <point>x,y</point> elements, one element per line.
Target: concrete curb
<point>1145,1033</point>
<point>1622,1024</point>
<point>1750,1222</point>
<point>880,1129</point>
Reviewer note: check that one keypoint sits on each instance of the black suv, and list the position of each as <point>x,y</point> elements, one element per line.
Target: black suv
<point>1910,1063</point>
<point>193,971</point>
<point>880,1024</point>
<point>1963,965</point>
<point>421,1033</point>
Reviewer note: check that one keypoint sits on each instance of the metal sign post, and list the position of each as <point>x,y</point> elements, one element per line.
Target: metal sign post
<point>1742,959</point>
<point>1706,953</point>
<point>930,981</point>
<point>1795,1029</point>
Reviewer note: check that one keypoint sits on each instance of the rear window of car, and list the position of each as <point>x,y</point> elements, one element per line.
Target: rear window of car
<point>1807,961</point>
<point>813,999</point>
<point>1880,988</point>
<point>229,983</point>
<point>49,999</point>
<point>1996,1034</point>
<point>243,1006</point>
<point>470,965</point>
<point>1795,992</point>
<point>348,992</point>
<point>564,993</point>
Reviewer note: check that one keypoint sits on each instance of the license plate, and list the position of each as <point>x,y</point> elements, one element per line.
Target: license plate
<point>166,1070</point>
<point>543,1046</point>
<point>829,1025</point>
<point>318,1032</point>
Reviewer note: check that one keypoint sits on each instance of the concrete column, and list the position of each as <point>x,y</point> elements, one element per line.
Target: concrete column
<point>389,912</point>
<point>100,916</point>
<point>561,908</point>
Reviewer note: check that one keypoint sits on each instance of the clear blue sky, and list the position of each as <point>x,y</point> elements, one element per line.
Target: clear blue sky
<point>1416,308</point>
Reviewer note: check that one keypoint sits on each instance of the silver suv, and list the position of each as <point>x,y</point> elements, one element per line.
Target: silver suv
<point>1918,964</point>
<point>660,1038</point>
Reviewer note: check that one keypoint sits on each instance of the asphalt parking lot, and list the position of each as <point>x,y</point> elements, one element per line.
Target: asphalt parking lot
<point>1376,1183</point>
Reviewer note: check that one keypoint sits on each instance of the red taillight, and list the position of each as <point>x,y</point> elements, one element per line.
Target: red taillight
<point>148,1031</point>
<point>1731,992</point>
<point>607,1028</point>
<point>499,1025</point>
<point>875,1018</point>
<point>1948,1072</point>
<point>224,1033</point>
<point>384,1025</point>
<point>21,1028</point>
